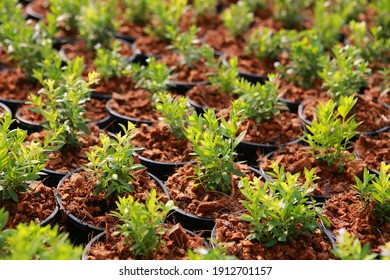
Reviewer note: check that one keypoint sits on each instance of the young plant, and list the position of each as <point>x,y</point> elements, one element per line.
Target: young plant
<point>154,77</point>
<point>376,188</point>
<point>142,225</point>
<point>64,13</point>
<point>174,111</point>
<point>348,9</point>
<point>34,242</point>
<point>51,69</point>
<point>256,4</point>
<point>109,62</point>
<point>327,24</point>
<point>289,12</point>
<point>305,55</point>
<point>329,134</point>
<point>277,208</point>
<point>165,18</point>
<point>382,18</point>
<point>112,163</point>
<point>237,18</point>
<point>224,76</point>
<point>344,74</point>
<point>348,247</point>
<point>265,44</point>
<point>97,25</point>
<point>186,45</point>
<point>19,162</point>
<point>64,105</point>
<point>136,11</point>
<point>262,100</point>
<point>26,45</point>
<point>368,41</point>
<point>203,7</point>
<point>214,141</point>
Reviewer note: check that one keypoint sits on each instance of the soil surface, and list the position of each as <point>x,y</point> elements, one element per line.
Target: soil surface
<point>15,85</point>
<point>160,144</point>
<point>208,96</point>
<point>176,243</point>
<point>195,200</point>
<point>36,204</point>
<point>232,232</point>
<point>331,180</point>
<point>77,197</point>
<point>348,211</point>
<point>67,161</point>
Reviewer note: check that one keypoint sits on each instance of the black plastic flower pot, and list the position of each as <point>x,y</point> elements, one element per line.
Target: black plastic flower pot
<point>5,108</point>
<point>161,169</point>
<point>53,218</point>
<point>30,126</point>
<point>12,104</point>
<point>181,88</point>
<point>32,14</point>
<point>118,118</point>
<point>291,104</point>
<point>52,177</point>
<point>248,151</point>
<point>127,38</point>
<point>81,232</point>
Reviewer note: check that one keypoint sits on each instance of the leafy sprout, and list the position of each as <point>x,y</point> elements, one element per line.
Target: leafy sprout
<point>113,162</point>
<point>237,18</point>
<point>142,225</point>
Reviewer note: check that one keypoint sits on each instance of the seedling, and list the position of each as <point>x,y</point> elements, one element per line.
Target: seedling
<point>305,55</point>
<point>20,162</point>
<point>330,133</point>
<point>382,18</point>
<point>174,112</point>
<point>112,163</point>
<point>214,141</point>
<point>26,45</point>
<point>136,10</point>
<point>165,18</point>
<point>327,24</point>
<point>277,209</point>
<point>264,44</point>
<point>348,247</point>
<point>186,46</point>
<point>262,100</point>
<point>289,12</point>
<point>224,76</point>
<point>64,105</point>
<point>237,18</point>
<point>376,187</point>
<point>154,77</point>
<point>35,242</point>
<point>369,41</point>
<point>109,61</point>
<point>97,24</point>
<point>203,7</point>
<point>344,74</point>
<point>142,225</point>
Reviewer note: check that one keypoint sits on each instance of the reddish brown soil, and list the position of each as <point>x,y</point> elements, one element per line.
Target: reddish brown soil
<point>15,85</point>
<point>296,157</point>
<point>195,200</point>
<point>114,84</point>
<point>232,232</point>
<point>42,7</point>
<point>151,46</point>
<point>72,159</point>
<point>209,97</point>
<point>77,197</point>
<point>276,131</point>
<point>250,64</point>
<point>347,211</point>
<point>177,243</point>
<point>183,73</point>
<point>160,144</point>
<point>36,204</point>
<point>134,104</point>
<point>79,48</point>
<point>292,92</point>
<point>373,115</point>
<point>95,111</point>
<point>221,41</point>
<point>373,149</point>
<point>131,29</point>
